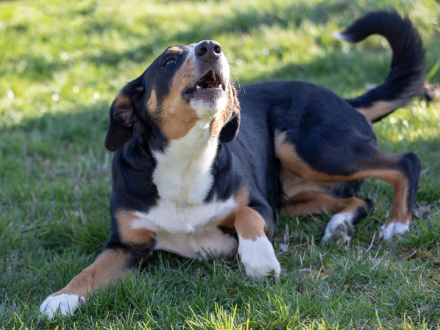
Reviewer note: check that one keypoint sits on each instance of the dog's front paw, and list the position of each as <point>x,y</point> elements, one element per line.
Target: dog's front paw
<point>62,304</point>
<point>388,231</point>
<point>339,227</point>
<point>258,258</point>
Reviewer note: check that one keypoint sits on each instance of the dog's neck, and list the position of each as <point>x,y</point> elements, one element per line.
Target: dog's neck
<point>183,171</point>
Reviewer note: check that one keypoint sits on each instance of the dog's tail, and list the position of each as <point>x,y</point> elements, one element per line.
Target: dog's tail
<point>406,77</point>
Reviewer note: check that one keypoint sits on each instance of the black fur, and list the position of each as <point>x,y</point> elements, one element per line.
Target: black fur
<point>347,189</point>
<point>122,119</point>
<point>362,212</point>
<point>406,77</point>
<point>410,165</point>
<point>230,130</point>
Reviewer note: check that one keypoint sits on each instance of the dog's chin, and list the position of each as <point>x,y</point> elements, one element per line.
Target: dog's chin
<point>208,103</point>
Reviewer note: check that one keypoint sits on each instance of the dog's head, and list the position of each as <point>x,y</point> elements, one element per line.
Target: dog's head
<point>184,85</point>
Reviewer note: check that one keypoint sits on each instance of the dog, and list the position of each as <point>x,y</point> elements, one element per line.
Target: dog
<point>200,169</point>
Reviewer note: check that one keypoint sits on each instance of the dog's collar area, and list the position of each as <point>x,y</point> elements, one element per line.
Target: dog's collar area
<point>210,80</point>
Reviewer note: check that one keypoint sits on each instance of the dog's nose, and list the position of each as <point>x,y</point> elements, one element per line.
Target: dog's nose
<point>208,50</point>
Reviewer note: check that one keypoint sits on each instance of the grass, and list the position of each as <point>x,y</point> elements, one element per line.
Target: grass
<point>61,65</point>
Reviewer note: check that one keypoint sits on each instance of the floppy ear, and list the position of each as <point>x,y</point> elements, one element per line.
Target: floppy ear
<point>122,116</point>
<point>230,129</point>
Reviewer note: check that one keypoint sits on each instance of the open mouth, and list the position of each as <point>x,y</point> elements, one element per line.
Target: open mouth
<point>210,82</point>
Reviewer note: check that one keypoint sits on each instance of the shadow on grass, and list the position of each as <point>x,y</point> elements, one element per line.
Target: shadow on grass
<point>85,126</point>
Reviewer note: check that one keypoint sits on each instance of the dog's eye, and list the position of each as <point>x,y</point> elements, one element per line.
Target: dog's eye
<point>169,61</point>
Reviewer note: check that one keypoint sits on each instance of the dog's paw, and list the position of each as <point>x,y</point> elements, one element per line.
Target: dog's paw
<point>258,258</point>
<point>62,304</point>
<point>339,227</point>
<point>389,230</point>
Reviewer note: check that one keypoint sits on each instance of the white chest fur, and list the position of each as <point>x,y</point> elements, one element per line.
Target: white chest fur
<point>189,231</point>
<point>184,224</point>
<point>183,172</point>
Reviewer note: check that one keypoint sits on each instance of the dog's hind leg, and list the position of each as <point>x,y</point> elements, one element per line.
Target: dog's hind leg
<point>354,161</point>
<point>347,212</point>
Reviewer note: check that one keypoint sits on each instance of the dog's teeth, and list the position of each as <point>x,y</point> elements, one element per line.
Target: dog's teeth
<point>220,86</point>
<point>198,87</point>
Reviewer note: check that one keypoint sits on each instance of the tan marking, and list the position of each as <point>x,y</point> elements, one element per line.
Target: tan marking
<point>249,224</point>
<point>379,109</point>
<point>108,267</point>
<point>229,221</point>
<point>129,234</point>
<point>121,101</point>
<point>173,49</point>
<point>242,200</point>
<point>290,160</point>
<point>221,118</point>
<point>308,203</point>
<point>152,102</point>
<point>177,117</point>
<point>293,184</point>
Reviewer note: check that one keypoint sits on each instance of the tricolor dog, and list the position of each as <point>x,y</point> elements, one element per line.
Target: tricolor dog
<point>199,168</point>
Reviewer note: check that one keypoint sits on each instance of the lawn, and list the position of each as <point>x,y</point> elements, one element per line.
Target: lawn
<point>61,65</point>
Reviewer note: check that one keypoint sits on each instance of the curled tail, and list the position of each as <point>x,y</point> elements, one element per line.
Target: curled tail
<point>406,77</point>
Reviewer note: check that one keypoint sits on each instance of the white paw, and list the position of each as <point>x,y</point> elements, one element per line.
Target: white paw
<point>387,232</point>
<point>258,258</point>
<point>339,227</point>
<point>62,304</point>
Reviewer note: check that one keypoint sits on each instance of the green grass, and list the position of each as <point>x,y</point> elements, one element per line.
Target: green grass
<point>61,65</point>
